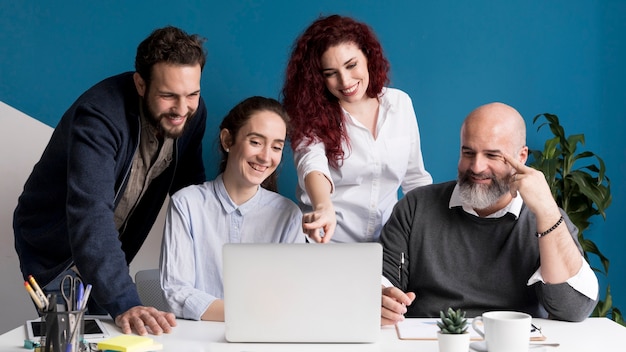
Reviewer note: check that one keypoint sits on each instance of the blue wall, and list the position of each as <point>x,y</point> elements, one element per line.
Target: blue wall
<point>563,57</point>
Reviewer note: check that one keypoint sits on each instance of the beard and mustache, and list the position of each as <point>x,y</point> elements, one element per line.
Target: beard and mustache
<point>481,196</point>
<point>157,121</point>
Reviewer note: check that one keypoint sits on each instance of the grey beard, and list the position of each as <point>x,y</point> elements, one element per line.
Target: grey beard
<point>480,196</point>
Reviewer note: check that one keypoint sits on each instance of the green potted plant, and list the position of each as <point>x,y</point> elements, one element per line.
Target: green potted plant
<point>582,192</point>
<point>453,335</point>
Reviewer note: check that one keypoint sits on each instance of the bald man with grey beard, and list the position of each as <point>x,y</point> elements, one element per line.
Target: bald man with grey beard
<point>494,239</point>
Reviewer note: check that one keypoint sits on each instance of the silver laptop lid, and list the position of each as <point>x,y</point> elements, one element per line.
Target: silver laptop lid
<point>324,293</point>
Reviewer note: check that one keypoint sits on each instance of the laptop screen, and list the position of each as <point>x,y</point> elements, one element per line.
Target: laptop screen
<point>302,292</point>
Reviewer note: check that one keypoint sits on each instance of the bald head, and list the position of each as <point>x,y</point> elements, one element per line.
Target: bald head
<point>496,122</point>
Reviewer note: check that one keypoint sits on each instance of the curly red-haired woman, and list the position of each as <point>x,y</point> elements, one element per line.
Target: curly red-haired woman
<point>355,141</point>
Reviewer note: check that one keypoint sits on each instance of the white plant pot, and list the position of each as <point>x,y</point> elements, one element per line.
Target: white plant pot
<point>453,342</point>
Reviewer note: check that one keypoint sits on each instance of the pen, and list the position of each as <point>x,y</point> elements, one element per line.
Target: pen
<point>83,304</point>
<point>400,268</point>
<point>73,338</point>
<point>34,296</point>
<point>38,291</point>
<point>80,291</point>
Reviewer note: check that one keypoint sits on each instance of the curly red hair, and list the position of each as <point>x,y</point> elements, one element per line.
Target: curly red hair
<point>315,113</point>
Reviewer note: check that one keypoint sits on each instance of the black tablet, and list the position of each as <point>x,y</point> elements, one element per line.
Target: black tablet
<point>93,329</point>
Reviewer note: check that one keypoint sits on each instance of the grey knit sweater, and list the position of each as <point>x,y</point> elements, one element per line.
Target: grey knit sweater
<point>455,259</point>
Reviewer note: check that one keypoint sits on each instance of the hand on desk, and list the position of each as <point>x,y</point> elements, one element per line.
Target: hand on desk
<point>393,306</point>
<point>137,318</point>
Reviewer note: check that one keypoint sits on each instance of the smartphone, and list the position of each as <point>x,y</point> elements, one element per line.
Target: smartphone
<point>93,329</point>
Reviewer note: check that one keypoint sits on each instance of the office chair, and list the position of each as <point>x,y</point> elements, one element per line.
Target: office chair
<point>149,289</point>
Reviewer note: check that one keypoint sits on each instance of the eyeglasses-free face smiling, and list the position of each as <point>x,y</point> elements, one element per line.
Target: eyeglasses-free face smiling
<point>483,177</point>
<point>256,150</point>
<point>344,67</point>
<point>483,174</point>
<point>171,98</point>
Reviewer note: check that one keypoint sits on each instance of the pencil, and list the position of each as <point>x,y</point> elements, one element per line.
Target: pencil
<point>33,295</point>
<point>38,290</point>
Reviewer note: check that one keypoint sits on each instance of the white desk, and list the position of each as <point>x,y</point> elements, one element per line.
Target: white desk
<point>594,334</point>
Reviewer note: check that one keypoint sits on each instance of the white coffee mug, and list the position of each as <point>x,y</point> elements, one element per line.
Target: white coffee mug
<point>504,331</point>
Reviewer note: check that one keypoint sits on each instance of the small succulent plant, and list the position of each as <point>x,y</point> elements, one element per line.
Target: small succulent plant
<point>452,322</point>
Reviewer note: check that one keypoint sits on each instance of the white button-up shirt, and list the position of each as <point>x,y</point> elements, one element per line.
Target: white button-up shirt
<point>365,187</point>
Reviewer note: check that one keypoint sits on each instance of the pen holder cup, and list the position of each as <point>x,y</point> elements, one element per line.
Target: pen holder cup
<point>63,331</point>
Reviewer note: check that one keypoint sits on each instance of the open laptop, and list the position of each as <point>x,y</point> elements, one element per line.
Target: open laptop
<point>292,293</point>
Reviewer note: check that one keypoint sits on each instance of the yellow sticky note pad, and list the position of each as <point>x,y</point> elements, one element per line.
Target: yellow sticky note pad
<point>129,343</point>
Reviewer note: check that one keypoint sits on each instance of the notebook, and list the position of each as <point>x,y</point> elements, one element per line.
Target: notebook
<point>299,293</point>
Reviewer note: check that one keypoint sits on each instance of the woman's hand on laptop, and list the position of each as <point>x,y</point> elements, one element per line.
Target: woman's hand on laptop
<point>139,317</point>
<point>394,303</point>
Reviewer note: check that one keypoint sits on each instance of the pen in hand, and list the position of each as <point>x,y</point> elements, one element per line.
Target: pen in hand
<point>400,267</point>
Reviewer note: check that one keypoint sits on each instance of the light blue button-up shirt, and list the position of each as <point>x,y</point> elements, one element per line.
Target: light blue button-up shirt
<point>200,219</point>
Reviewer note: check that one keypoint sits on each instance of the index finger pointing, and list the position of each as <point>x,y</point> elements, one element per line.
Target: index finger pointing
<point>518,166</point>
